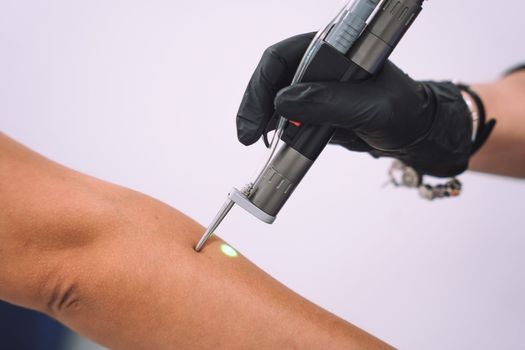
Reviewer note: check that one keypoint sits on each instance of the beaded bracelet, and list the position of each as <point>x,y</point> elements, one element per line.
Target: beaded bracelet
<point>402,175</point>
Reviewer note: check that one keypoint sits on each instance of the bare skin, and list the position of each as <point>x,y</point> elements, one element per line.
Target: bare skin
<point>119,267</point>
<point>504,152</point>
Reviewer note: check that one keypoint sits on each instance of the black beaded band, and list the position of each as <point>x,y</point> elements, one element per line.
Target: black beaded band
<point>484,127</point>
<point>514,70</point>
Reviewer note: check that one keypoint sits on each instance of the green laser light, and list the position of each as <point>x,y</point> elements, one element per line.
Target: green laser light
<point>228,251</point>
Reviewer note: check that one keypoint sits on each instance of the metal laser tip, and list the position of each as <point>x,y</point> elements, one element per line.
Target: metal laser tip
<point>214,224</point>
<point>203,240</point>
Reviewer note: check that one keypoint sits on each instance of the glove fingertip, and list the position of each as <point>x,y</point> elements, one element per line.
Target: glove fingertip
<point>247,140</point>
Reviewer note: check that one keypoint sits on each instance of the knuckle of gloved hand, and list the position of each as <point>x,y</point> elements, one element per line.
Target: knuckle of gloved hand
<point>272,54</point>
<point>290,49</point>
<point>272,68</point>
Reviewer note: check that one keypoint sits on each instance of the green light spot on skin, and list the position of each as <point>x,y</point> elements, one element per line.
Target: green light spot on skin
<point>228,251</point>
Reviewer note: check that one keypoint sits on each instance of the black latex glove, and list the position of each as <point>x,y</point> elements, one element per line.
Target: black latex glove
<point>427,125</point>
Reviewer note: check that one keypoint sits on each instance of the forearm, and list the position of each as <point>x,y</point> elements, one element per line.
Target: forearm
<point>148,289</point>
<point>504,152</point>
<point>120,268</point>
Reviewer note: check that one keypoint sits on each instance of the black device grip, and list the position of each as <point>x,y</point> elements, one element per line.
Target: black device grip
<point>328,65</point>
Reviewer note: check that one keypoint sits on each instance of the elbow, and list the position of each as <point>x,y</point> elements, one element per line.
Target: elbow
<point>64,298</point>
<point>58,293</point>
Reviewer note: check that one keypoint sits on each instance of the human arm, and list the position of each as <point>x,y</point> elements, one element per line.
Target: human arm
<point>426,124</point>
<point>119,267</point>
<point>504,153</point>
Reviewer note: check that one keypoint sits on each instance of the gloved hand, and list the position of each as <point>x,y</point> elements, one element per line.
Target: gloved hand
<point>427,125</point>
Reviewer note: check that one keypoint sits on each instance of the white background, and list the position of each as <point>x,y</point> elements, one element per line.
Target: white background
<point>145,93</point>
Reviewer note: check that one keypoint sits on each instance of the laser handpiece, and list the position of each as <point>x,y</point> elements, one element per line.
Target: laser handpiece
<point>341,33</point>
<point>346,50</point>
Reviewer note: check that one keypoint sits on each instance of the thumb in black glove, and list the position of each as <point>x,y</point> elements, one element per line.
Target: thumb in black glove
<point>427,125</point>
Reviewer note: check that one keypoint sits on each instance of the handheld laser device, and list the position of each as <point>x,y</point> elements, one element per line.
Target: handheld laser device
<point>352,47</point>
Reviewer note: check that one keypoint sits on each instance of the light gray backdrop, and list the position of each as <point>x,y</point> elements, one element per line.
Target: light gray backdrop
<point>144,94</point>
